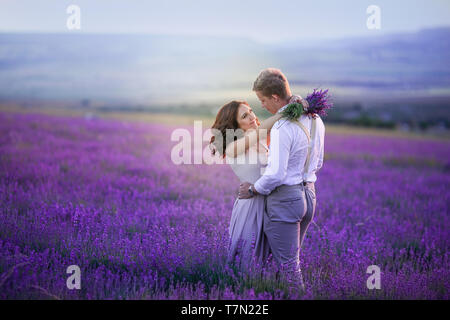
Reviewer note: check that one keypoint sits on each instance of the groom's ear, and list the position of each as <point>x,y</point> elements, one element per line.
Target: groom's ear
<point>275,97</point>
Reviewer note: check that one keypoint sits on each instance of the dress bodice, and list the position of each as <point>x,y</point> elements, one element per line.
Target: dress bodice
<point>250,166</point>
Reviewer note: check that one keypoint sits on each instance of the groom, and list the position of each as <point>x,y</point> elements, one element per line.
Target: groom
<point>288,181</point>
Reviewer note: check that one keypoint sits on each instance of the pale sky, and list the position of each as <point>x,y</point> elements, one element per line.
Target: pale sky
<point>261,20</point>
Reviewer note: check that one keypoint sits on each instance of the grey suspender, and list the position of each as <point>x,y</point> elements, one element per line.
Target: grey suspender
<point>310,143</point>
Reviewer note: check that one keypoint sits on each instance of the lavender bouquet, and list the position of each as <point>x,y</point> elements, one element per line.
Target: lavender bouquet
<point>319,101</point>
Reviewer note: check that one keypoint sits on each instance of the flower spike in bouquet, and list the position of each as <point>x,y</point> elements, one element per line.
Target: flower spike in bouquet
<point>319,102</point>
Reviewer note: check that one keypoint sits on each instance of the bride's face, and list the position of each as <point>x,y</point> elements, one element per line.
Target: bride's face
<point>246,118</point>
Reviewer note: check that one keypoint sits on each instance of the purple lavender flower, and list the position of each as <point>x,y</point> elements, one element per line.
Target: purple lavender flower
<point>104,195</point>
<point>319,101</point>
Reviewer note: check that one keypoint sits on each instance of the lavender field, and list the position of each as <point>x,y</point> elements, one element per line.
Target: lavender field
<point>105,195</point>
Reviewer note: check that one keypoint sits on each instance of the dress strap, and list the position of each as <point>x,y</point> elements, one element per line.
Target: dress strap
<point>265,147</point>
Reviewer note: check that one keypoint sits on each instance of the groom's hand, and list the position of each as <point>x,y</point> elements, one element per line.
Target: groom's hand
<point>243,190</point>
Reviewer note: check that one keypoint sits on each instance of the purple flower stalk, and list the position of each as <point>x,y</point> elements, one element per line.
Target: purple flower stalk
<point>319,101</point>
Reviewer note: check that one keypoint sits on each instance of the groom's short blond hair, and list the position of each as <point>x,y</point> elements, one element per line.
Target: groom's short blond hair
<point>272,81</point>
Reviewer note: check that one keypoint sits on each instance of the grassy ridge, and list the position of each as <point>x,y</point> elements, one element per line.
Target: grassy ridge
<point>186,119</point>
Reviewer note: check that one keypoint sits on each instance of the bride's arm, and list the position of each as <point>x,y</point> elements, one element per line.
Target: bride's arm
<point>251,137</point>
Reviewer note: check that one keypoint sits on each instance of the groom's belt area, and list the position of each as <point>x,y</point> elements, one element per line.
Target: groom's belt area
<point>301,184</point>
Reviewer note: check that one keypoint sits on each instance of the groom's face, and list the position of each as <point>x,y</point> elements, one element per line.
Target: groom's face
<point>271,104</point>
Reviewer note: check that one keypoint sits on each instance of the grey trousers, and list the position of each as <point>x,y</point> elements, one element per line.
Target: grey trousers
<point>289,211</point>
<point>310,193</point>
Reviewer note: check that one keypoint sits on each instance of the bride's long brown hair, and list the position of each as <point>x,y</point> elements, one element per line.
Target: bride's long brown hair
<point>226,119</point>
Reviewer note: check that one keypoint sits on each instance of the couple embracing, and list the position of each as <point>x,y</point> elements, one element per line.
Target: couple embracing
<point>277,196</point>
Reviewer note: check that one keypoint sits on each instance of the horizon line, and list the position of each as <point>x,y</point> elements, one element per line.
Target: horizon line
<point>200,35</point>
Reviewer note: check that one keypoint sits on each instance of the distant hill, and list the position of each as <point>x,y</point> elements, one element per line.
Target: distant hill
<point>128,68</point>
<point>398,64</point>
<point>153,70</point>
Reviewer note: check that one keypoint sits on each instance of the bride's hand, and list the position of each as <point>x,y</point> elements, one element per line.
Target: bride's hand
<point>299,99</point>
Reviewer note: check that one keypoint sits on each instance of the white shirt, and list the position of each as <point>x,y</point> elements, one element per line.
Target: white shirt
<point>287,154</point>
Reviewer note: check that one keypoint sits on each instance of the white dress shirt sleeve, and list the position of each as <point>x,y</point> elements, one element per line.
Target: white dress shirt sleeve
<point>321,140</point>
<point>317,153</point>
<point>276,170</point>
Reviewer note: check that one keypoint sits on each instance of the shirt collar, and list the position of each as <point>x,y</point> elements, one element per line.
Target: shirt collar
<point>280,123</point>
<point>282,108</point>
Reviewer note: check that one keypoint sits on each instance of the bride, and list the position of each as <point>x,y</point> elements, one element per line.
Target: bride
<point>247,239</point>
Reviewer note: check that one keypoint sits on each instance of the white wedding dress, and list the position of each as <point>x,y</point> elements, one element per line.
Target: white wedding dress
<point>247,238</point>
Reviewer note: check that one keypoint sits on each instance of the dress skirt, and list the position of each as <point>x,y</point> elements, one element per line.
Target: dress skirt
<point>248,243</point>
